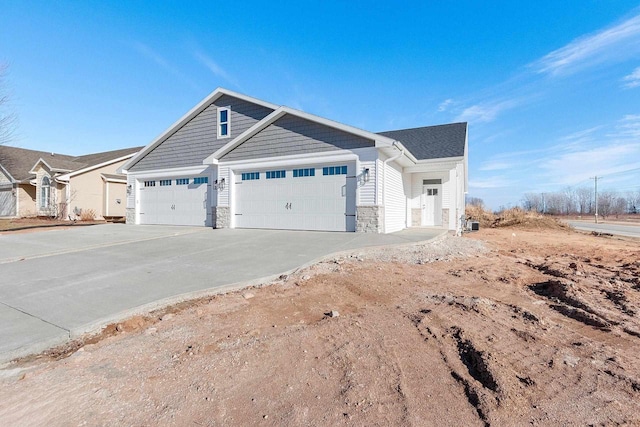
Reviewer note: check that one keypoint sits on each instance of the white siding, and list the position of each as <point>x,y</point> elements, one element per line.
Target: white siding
<point>395,201</point>
<point>223,196</point>
<point>367,190</point>
<point>131,195</point>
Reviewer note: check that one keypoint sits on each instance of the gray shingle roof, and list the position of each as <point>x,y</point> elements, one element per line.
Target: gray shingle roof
<point>19,161</point>
<point>432,142</point>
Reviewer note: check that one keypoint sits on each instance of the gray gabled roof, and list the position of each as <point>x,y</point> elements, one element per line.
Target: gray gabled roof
<point>19,161</point>
<point>432,142</point>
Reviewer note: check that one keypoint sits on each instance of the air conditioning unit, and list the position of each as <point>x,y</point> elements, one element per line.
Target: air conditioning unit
<point>475,226</point>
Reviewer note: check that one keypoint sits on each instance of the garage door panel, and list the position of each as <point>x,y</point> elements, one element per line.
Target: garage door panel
<point>318,202</point>
<point>7,202</point>
<point>175,204</point>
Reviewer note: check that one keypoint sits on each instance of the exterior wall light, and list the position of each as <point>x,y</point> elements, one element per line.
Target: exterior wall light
<point>219,184</point>
<point>365,174</point>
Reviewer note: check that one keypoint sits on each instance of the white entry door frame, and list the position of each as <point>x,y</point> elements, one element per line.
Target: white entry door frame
<point>431,203</point>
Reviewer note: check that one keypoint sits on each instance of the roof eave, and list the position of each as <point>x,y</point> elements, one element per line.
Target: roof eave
<point>211,98</point>
<point>68,176</point>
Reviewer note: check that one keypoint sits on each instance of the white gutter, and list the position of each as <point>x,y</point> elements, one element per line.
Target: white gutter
<point>384,168</point>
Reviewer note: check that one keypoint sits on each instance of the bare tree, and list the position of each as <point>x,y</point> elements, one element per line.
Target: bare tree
<point>633,202</point>
<point>569,200</point>
<point>584,200</point>
<point>475,201</point>
<point>532,202</point>
<point>7,117</point>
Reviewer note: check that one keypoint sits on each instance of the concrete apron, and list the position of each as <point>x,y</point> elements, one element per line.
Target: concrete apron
<point>33,333</point>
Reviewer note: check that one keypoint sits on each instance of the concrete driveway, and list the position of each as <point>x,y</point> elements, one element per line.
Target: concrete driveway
<point>58,284</point>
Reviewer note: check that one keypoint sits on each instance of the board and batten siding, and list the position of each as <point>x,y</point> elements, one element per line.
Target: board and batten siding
<point>395,200</point>
<point>292,135</point>
<point>198,139</point>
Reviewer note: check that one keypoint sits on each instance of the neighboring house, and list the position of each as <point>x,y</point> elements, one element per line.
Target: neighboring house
<point>236,161</point>
<point>37,183</point>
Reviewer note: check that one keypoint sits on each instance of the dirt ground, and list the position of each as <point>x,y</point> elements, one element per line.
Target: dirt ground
<point>502,327</point>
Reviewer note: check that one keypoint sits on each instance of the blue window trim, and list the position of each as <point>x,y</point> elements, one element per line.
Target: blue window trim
<point>334,170</point>
<point>201,180</point>
<point>299,173</point>
<point>276,174</point>
<point>165,182</point>
<point>250,176</point>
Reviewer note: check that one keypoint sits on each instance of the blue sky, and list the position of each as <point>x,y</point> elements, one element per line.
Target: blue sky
<point>551,89</point>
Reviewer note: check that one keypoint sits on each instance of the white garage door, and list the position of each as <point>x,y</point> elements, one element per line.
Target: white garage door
<point>182,201</point>
<point>301,198</point>
<point>7,202</point>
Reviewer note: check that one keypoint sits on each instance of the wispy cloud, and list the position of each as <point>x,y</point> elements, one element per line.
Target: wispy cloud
<point>632,80</point>
<point>495,165</point>
<point>444,105</point>
<point>491,182</point>
<point>487,111</point>
<point>154,56</point>
<point>213,66</point>
<point>618,42</point>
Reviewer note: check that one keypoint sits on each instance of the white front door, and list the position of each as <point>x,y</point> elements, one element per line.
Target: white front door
<point>431,205</point>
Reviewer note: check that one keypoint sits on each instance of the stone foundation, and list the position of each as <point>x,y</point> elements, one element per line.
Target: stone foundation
<point>221,216</point>
<point>130,216</point>
<point>369,219</point>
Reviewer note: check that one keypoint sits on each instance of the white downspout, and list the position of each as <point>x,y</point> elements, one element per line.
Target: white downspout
<point>384,175</point>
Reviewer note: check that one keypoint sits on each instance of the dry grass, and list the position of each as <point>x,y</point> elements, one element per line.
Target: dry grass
<point>514,217</point>
<point>87,215</point>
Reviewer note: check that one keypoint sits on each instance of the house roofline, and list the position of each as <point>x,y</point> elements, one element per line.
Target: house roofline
<point>41,160</point>
<point>379,141</point>
<point>211,98</point>
<point>7,174</point>
<point>68,176</point>
<point>119,180</point>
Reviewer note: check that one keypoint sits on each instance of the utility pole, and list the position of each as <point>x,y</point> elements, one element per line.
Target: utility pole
<point>544,206</point>
<point>595,178</point>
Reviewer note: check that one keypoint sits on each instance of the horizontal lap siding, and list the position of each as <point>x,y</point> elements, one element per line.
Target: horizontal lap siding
<point>395,201</point>
<point>197,139</point>
<point>291,135</point>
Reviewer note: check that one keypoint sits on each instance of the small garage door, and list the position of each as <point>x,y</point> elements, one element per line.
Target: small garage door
<point>171,201</point>
<point>7,202</point>
<point>301,198</point>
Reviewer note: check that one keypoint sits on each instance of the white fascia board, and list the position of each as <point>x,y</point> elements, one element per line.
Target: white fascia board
<point>159,173</point>
<point>104,178</point>
<point>211,98</point>
<point>7,174</point>
<point>378,140</point>
<point>433,165</point>
<point>293,160</point>
<point>33,168</point>
<point>275,115</point>
<point>67,176</point>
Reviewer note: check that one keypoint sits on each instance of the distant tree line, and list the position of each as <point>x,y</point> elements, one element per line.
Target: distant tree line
<point>581,201</point>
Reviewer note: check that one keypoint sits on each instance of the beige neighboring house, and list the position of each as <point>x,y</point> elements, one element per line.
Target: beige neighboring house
<point>37,183</point>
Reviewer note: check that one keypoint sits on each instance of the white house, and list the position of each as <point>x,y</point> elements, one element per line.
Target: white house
<point>236,161</point>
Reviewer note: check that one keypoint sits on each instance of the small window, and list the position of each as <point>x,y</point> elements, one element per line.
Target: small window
<point>165,182</point>
<point>276,174</point>
<point>201,180</point>
<point>334,170</point>
<point>297,173</point>
<point>224,122</point>
<point>45,192</point>
<point>432,191</point>
<point>149,183</point>
<point>248,176</point>
<point>182,181</point>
